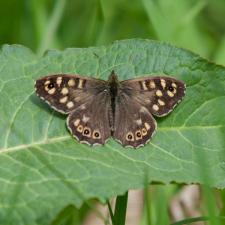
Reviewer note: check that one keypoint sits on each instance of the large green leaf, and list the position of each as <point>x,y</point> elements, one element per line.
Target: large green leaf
<point>42,168</point>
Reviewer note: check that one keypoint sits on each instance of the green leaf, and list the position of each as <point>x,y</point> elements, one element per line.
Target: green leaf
<point>43,169</point>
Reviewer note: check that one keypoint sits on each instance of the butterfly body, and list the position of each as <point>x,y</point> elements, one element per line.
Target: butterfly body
<point>101,109</point>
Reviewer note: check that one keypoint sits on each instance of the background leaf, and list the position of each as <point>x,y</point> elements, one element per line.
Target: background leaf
<point>43,169</point>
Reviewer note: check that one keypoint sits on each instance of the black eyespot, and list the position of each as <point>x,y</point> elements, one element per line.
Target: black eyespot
<point>129,137</point>
<point>50,86</point>
<point>86,131</point>
<point>138,134</point>
<point>96,134</point>
<point>171,88</point>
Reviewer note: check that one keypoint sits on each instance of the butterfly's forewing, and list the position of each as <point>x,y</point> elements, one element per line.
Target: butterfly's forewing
<point>158,94</point>
<point>89,123</point>
<point>133,124</point>
<point>65,92</point>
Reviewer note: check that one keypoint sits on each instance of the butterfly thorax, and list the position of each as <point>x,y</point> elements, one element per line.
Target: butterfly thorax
<point>113,85</point>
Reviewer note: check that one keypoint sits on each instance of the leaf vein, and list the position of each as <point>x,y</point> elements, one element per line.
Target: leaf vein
<point>13,119</point>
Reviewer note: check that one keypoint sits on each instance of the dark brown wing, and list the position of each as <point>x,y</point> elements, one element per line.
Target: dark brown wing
<point>158,94</point>
<point>65,92</point>
<point>90,122</point>
<point>133,124</point>
<point>139,98</point>
<point>86,102</point>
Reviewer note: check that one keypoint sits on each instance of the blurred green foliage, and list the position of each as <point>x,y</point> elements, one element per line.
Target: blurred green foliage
<point>197,25</point>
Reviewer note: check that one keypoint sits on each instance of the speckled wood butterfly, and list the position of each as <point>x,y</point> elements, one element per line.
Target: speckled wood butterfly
<point>99,109</point>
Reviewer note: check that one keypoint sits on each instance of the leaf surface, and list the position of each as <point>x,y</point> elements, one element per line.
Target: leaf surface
<point>43,169</point>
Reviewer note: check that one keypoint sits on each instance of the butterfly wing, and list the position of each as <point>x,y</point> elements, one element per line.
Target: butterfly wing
<point>158,94</point>
<point>133,124</point>
<point>65,92</point>
<point>86,102</point>
<point>137,100</point>
<point>91,119</point>
<point>90,122</point>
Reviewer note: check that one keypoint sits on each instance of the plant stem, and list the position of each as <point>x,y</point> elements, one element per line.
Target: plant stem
<point>120,209</point>
<point>111,212</point>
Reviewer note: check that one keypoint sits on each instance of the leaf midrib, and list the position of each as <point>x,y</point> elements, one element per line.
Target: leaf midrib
<point>67,137</point>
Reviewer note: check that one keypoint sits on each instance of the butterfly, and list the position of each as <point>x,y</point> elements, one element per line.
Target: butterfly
<point>99,109</point>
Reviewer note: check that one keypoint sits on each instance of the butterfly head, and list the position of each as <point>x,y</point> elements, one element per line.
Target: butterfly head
<point>113,79</point>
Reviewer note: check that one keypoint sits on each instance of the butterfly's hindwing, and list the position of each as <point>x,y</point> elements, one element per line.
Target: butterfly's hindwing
<point>134,125</point>
<point>89,123</point>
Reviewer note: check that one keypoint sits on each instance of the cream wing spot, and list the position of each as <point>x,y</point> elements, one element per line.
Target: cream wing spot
<point>83,107</point>
<point>159,93</point>
<point>161,102</point>
<point>51,91</point>
<point>80,83</point>
<point>69,105</point>
<point>144,85</point>
<point>71,82</point>
<point>163,83</point>
<point>155,107</point>
<point>147,126</point>
<point>174,85</point>
<point>76,122</point>
<point>47,82</point>
<point>85,118</point>
<point>63,100</point>
<point>64,91</point>
<point>170,94</point>
<point>152,84</point>
<point>139,122</point>
<point>59,81</point>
